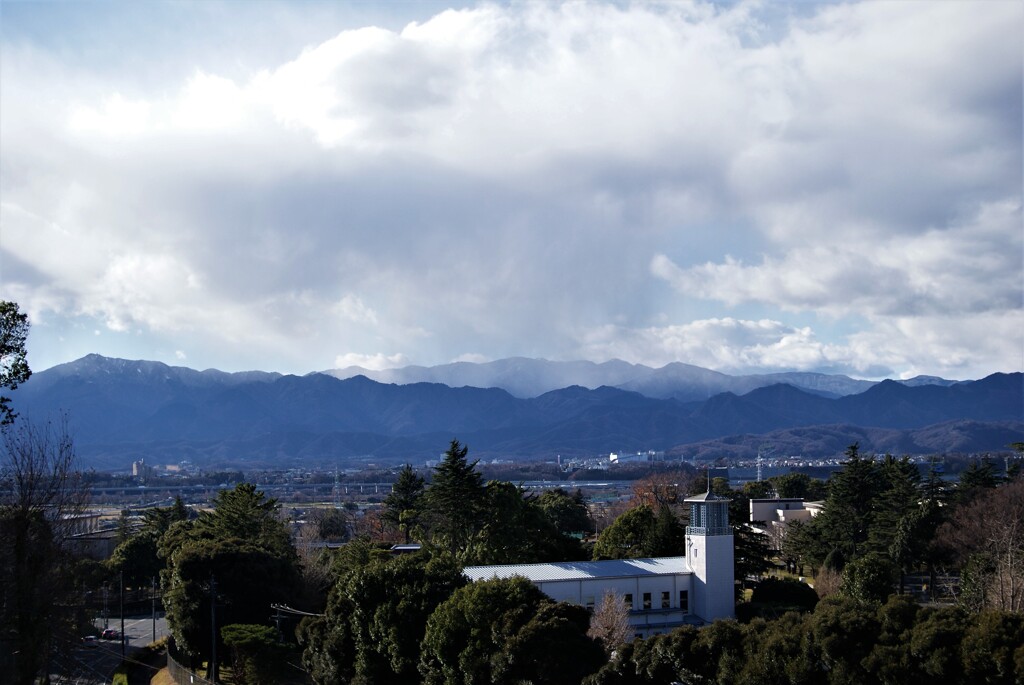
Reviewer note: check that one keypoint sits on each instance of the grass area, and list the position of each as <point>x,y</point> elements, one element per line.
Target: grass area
<point>162,677</point>
<point>144,663</point>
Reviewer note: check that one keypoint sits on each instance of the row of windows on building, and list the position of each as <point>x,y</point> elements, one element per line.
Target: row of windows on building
<point>648,601</point>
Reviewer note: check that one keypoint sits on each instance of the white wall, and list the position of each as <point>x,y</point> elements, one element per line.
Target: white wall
<point>711,558</point>
<point>644,622</point>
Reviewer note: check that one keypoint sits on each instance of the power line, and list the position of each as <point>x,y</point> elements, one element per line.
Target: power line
<point>288,610</point>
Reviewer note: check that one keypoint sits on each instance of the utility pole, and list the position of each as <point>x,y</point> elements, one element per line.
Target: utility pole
<point>277,621</point>
<point>213,629</point>
<point>122,617</point>
<point>153,596</point>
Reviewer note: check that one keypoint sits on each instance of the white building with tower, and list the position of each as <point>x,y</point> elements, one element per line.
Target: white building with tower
<point>662,593</point>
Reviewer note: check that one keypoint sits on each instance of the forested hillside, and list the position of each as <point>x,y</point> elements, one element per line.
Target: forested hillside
<point>120,410</point>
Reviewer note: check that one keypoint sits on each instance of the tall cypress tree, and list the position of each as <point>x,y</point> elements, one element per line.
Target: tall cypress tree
<point>247,514</point>
<point>849,508</point>
<point>979,477</point>
<point>898,498</point>
<point>455,500</point>
<point>402,506</point>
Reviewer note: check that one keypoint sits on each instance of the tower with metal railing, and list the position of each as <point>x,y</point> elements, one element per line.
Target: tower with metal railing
<point>709,552</point>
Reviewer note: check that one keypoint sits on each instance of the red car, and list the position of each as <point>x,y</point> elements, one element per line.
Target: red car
<point>111,634</point>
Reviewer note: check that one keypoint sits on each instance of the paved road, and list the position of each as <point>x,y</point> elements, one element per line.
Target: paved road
<point>80,665</point>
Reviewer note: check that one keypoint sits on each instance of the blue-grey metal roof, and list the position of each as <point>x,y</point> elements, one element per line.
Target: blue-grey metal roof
<point>582,570</point>
<point>706,497</point>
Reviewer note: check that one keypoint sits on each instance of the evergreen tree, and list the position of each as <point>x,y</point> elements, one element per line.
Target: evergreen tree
<point>758,489</point>
<point>989,645</point>
<point>979,477</point>
<point>136,558</point>
<point>389,603</point>
<point>567,512</point>
<point>243,547</point>
<point>14,369</point>
<point>257,658</point>
<point>628,537</point>
<point>178,510</point>
<point>751,555</point>
<point>668,537</point>
<point>895,508</point>
<point>798,485</point>
<point>934,497</point>
<point>843,642</point>
<point>505,632</point>
<point>935,639</point>
<point>455,500</point>
<point>402,506</point>
<point>247,514</point>
<point>933,488</point>
<point>136,555</point>
<point>869,578</point>
<point>848,514</point>
<point>515,530</point>
<point>245,577</point>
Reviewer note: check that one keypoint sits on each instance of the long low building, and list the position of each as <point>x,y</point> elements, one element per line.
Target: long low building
<point>656,591</point>
<point>661,593</point>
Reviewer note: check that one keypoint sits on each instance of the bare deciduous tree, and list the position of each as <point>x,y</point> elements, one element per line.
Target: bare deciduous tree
<point>987,536</point>
<point>41,501</point>
<point>664,489</point>
<point>827,582</point>
<point>610,622</point>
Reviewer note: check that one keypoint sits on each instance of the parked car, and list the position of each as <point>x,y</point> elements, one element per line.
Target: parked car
<point>89,641</point>
<point>111,634</point>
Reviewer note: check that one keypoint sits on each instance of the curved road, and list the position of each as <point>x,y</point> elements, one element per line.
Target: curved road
<point>76,664</point>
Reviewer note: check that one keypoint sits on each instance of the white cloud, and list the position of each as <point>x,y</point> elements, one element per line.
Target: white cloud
<point>116,116</point>
<point>726,344</point>
<point>354,309</point>
<point>971,267</point>
<point>498,179</point>
<point>371,362</point>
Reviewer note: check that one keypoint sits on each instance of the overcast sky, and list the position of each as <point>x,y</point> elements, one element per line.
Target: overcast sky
<point>299,186</point>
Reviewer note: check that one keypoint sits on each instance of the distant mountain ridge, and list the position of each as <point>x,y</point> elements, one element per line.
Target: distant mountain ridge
<point>123,410</point>
<point>527,378</point>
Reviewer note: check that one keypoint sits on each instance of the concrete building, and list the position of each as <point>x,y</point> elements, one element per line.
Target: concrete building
<point>141,470</point>
<point>772,516</point>
<point>662,593</point>
<point>779,510</point>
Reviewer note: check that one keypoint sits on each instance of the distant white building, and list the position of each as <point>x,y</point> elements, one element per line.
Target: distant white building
<point>649,455</point>
<point>773,516</point>
<point>662,593</point>
<point>141,470</point>
<point>779,510</point>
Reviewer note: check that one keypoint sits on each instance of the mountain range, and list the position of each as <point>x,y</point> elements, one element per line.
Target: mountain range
<point>525,378</point>
<point>121,410</point>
